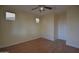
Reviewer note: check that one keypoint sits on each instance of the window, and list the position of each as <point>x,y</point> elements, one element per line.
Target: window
<point>10,16</point>
<point>37,20</point>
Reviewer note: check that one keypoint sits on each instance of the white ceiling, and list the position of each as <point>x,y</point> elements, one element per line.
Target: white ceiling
<point>28,8</point>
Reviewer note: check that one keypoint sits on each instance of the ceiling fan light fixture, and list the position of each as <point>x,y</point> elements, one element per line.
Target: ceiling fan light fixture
<point>41,8</point>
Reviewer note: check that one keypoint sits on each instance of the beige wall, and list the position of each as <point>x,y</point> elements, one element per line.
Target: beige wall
<point>56,18</point>
<point>0,27</point>
<point>73,26</point>
<point>60,25</point>
<point>22,29</point>
<point>47,26</point>
<point>67,26</point>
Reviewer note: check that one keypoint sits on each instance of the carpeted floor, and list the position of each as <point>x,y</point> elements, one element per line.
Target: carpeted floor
<point>41,45</point>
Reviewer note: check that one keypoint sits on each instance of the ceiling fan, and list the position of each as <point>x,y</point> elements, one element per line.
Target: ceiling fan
<point>42,8</point>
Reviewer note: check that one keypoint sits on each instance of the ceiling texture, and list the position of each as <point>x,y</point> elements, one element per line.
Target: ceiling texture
<point>28,8</point>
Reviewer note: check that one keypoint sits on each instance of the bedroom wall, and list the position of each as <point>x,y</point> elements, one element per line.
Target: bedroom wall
<point>67,26</point>
<point>73,26</point>
<point>56,18</point>
<point>60,25</point>
<point>0,27</point>
<point>47,26</point>
<point>22,29</point>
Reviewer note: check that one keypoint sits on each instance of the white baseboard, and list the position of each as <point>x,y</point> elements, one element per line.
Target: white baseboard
<point>72,44</point>
<point>21,41</point>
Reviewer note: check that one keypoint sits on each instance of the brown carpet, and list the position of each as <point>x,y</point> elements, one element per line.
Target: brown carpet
<point>41,46</point>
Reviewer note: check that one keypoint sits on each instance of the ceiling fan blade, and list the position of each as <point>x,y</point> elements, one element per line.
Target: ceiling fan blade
<point>35,8</point>
<point>48,7</point>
